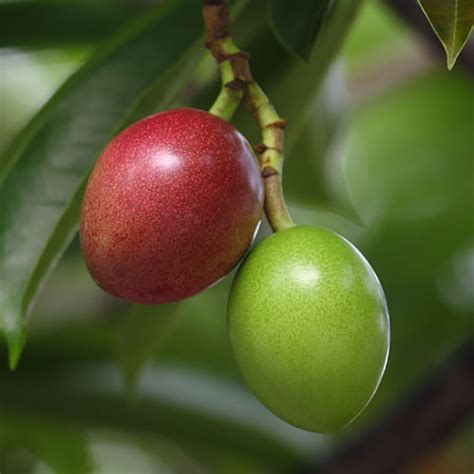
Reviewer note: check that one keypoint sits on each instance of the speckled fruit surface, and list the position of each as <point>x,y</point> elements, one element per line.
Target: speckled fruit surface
<point>171,206</point>
<point>309,327</point>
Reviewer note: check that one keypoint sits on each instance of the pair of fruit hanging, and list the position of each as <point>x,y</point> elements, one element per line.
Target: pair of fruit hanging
<point>173,205</point>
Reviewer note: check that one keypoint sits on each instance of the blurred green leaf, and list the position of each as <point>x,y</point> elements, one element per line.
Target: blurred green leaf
<point>200,337</point>
<point>55,23</point>
<point>141,335</point>
<point>411,151</point>
<point>452,21</point>
<point>313,172</point>
<point>376,36</point>
<point>297,25</point>
<point>42,174</point>
<point>27,80</point>
<point>409,173</point>
<point>64,450</point>
<point>313,114</point>
<point>198,334</point>
<point>198,411</point>
<point>116,452</point>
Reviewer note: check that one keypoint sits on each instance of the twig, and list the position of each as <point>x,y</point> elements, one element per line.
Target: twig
<point>238,83</point>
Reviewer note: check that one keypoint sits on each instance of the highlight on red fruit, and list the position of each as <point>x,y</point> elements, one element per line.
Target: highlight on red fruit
<point>171,206</point>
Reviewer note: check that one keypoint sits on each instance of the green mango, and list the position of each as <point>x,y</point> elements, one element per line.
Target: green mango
<point>309,327</point>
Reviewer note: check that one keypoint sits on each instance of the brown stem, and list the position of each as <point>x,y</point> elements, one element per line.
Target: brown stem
<point>238,83</point>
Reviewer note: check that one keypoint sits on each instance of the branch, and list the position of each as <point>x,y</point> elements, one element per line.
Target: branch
<point>238,83</point>
<point>416,427</point>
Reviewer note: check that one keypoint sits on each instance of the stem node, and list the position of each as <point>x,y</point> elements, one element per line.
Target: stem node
<point>238,84</point>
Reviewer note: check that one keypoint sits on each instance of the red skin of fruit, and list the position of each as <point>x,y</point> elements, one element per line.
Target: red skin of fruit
<point>171,206</point>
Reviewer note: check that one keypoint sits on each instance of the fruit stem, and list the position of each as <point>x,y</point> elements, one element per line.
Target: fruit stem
<point>230,96</point>
<point>238,84</point>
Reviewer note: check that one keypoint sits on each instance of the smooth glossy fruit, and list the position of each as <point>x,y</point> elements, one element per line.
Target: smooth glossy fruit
<point>309,327</point>
<point>171,206</point>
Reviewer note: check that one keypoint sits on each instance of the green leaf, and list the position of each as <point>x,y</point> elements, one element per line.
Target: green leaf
<point>313,172</point>
<point>191,407</point>
<point>298,24</point>
<point>64,450</point>
<point>423,131</point>
<point>52,23</point>
<point>144,453</point>
<point>42,174</point>
<point>141,334</point>
<point>417,203</point>
<point>452,21</point>
<point>198,328</point>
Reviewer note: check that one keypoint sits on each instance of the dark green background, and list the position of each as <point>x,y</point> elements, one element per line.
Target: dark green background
<point>379,149</point>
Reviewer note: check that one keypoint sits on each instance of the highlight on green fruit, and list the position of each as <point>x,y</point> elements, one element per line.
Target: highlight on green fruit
<point>309,327</point>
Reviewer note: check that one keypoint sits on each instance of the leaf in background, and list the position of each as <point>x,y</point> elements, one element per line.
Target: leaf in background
<point>118,452</point>
<point>64,450</point>
<point>52,23</point>
<point>313,172</point>
<point>452,21</point>
<point>42,175</point>
<point>427,156</point>
<point>375,37</point>
<point>90,333</point>
<point>141,334</point>
<point>197,410</point>
<point>417,203</point>
<point>296,89</point>
<point>298,24</point>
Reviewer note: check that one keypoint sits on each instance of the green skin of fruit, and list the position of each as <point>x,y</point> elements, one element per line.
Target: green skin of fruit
<point>309,327</point>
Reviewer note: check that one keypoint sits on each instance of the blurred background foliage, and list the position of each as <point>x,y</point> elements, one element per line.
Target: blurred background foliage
<point>380,149</point>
